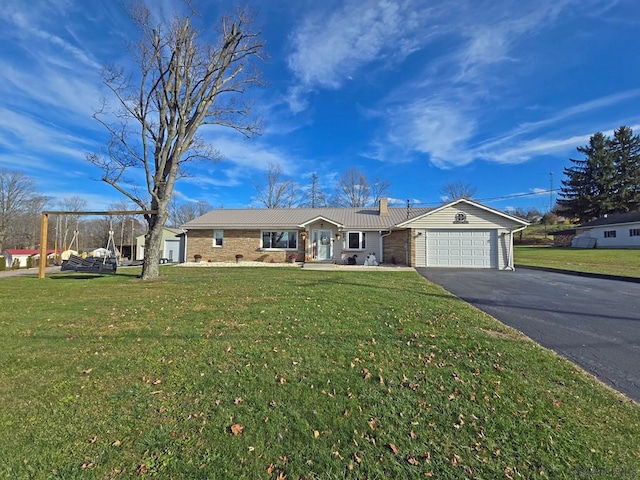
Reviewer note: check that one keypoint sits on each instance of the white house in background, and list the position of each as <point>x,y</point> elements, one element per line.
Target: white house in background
<point>22,255</point>
<point>172,245</point>
<point>619,230</point>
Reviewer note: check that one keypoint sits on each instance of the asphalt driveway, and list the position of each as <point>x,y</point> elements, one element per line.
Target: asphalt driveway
<point>592,322</point>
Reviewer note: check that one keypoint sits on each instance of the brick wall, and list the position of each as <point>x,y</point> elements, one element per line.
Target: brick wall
<point>244,242</point>
<point>395,248</point>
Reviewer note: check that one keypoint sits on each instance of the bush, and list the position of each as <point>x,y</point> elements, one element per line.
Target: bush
<point>29,262</point>
<point>3,264</point>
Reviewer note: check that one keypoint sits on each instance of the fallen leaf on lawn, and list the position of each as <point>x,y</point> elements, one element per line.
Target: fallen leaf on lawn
<point>455,460</point>
<point>87,371</point>
<point>236,429</point>
<point>271,468</point>
<point>412,461</point>
<point>117,443</point>
<point>142,469</point>
<point>284,459</point>
<point>357,458</point>
<point>393,448</point>
<point>282,380</point>
<point>93,439</point>
<point>238,400</point>
<point>156,382</point>
<point>412,434</point>
<point>366,374</point>
<point>281,476</point>
<point>316,434</point>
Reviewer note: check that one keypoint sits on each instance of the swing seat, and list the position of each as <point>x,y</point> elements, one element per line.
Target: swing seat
<point>90,264</point>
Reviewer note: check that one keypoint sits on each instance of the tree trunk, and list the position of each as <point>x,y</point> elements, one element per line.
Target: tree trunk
<point>153,245</point>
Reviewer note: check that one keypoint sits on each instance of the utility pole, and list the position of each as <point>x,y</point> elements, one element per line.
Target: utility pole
<point>550,191</point>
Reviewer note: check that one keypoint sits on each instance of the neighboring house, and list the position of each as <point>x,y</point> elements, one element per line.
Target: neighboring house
<point>22,256</point>
<point>462,233</point>
<point>172,245</point>
<point>620,230</point>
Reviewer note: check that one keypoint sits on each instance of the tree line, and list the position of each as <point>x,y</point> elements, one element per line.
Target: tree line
<point>352,189</point>
<point>606,180</point>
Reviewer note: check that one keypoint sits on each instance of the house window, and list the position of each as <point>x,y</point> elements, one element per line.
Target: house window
<point>287,240</point>
<point>610,234</point>
<point>356,241</point>
<point>218,238</point>
<point>634,232</point>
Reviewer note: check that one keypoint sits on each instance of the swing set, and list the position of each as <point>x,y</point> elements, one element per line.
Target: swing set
<point>106,264</point>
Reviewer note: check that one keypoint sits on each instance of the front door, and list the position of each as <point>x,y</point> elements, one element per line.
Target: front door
<point>322,244</point>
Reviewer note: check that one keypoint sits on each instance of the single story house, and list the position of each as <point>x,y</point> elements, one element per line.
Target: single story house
<point>172,245</point>
<point>462,233</point>
<point>21,256</point>
<point>619,230</point>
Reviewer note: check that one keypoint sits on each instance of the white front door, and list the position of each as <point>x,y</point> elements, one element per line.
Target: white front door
<point>321,243</point>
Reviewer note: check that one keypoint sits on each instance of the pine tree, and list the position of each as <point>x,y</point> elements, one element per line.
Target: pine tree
<point>589,189</point>
<point>625,148</point>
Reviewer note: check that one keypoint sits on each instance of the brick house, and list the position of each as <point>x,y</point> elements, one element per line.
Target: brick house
<point>462,233</point>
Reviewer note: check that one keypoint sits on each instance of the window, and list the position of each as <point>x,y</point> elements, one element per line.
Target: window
<point>356,241</point>
<point>634,232</point>
<point>610,234</point>
<point>285,240</point>
<point>218,238</point>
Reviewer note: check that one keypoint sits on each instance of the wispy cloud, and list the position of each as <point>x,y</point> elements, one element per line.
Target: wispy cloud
<point>330,46</point>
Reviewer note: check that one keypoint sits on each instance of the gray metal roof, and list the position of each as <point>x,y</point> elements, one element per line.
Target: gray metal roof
<point>613,219</point>
<point>292,218</point>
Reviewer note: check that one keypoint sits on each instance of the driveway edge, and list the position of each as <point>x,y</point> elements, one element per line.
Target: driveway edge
<point>603,276</point>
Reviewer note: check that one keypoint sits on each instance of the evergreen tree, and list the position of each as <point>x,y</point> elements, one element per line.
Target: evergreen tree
<point>625,148</point>
<point>589,190</point>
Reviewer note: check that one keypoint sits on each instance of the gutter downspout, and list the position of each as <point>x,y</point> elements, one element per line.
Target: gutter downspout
<point>510,264</point>
<point>184,258</point>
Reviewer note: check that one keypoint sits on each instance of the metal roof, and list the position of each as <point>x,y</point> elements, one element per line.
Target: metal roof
<point>293,218</point>
<point>613,219</point>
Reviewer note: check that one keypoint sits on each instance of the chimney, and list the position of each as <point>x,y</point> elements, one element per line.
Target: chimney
<point>384,207</point>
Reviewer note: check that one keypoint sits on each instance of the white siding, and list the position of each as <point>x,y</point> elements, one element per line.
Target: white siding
<point>477,218</point>
<point>623,239</point>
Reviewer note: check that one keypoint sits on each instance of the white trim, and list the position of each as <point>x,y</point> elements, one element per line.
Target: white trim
<point>320,218</point>
<point>468,202</point>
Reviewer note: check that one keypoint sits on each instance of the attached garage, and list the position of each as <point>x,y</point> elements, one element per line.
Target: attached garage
<point>461,248</point>
<point>463,234</point>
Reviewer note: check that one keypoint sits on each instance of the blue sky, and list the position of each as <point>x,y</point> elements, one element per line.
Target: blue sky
<point>496,94</point>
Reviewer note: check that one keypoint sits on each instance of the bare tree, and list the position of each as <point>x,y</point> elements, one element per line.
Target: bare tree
<point>315,196</point>
<point>183,83</point>
<point>354,190</point>
<point>456,190</point>
<point>182,213</point>
<point>277,193</point>
<point>67,224</point>
<point>16,193</point>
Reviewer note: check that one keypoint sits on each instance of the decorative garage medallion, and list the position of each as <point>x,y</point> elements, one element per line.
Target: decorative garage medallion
<point>460,217</point>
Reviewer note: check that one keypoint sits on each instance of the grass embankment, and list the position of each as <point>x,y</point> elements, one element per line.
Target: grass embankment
<point>267,373</point>
<point>611,262</point>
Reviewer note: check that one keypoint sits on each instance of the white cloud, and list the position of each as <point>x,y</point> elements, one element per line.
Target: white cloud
<point>328,48</point>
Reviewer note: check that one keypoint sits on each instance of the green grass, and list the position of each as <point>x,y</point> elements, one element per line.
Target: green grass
<point>598,260</point>
<point>330,374</point>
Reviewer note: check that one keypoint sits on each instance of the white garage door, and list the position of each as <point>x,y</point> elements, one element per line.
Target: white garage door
<point>171,250</point>
<point>461,248</point>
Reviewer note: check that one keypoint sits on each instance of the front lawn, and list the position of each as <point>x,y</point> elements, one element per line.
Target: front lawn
<point>592,260</point>
<point>285,373</point>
